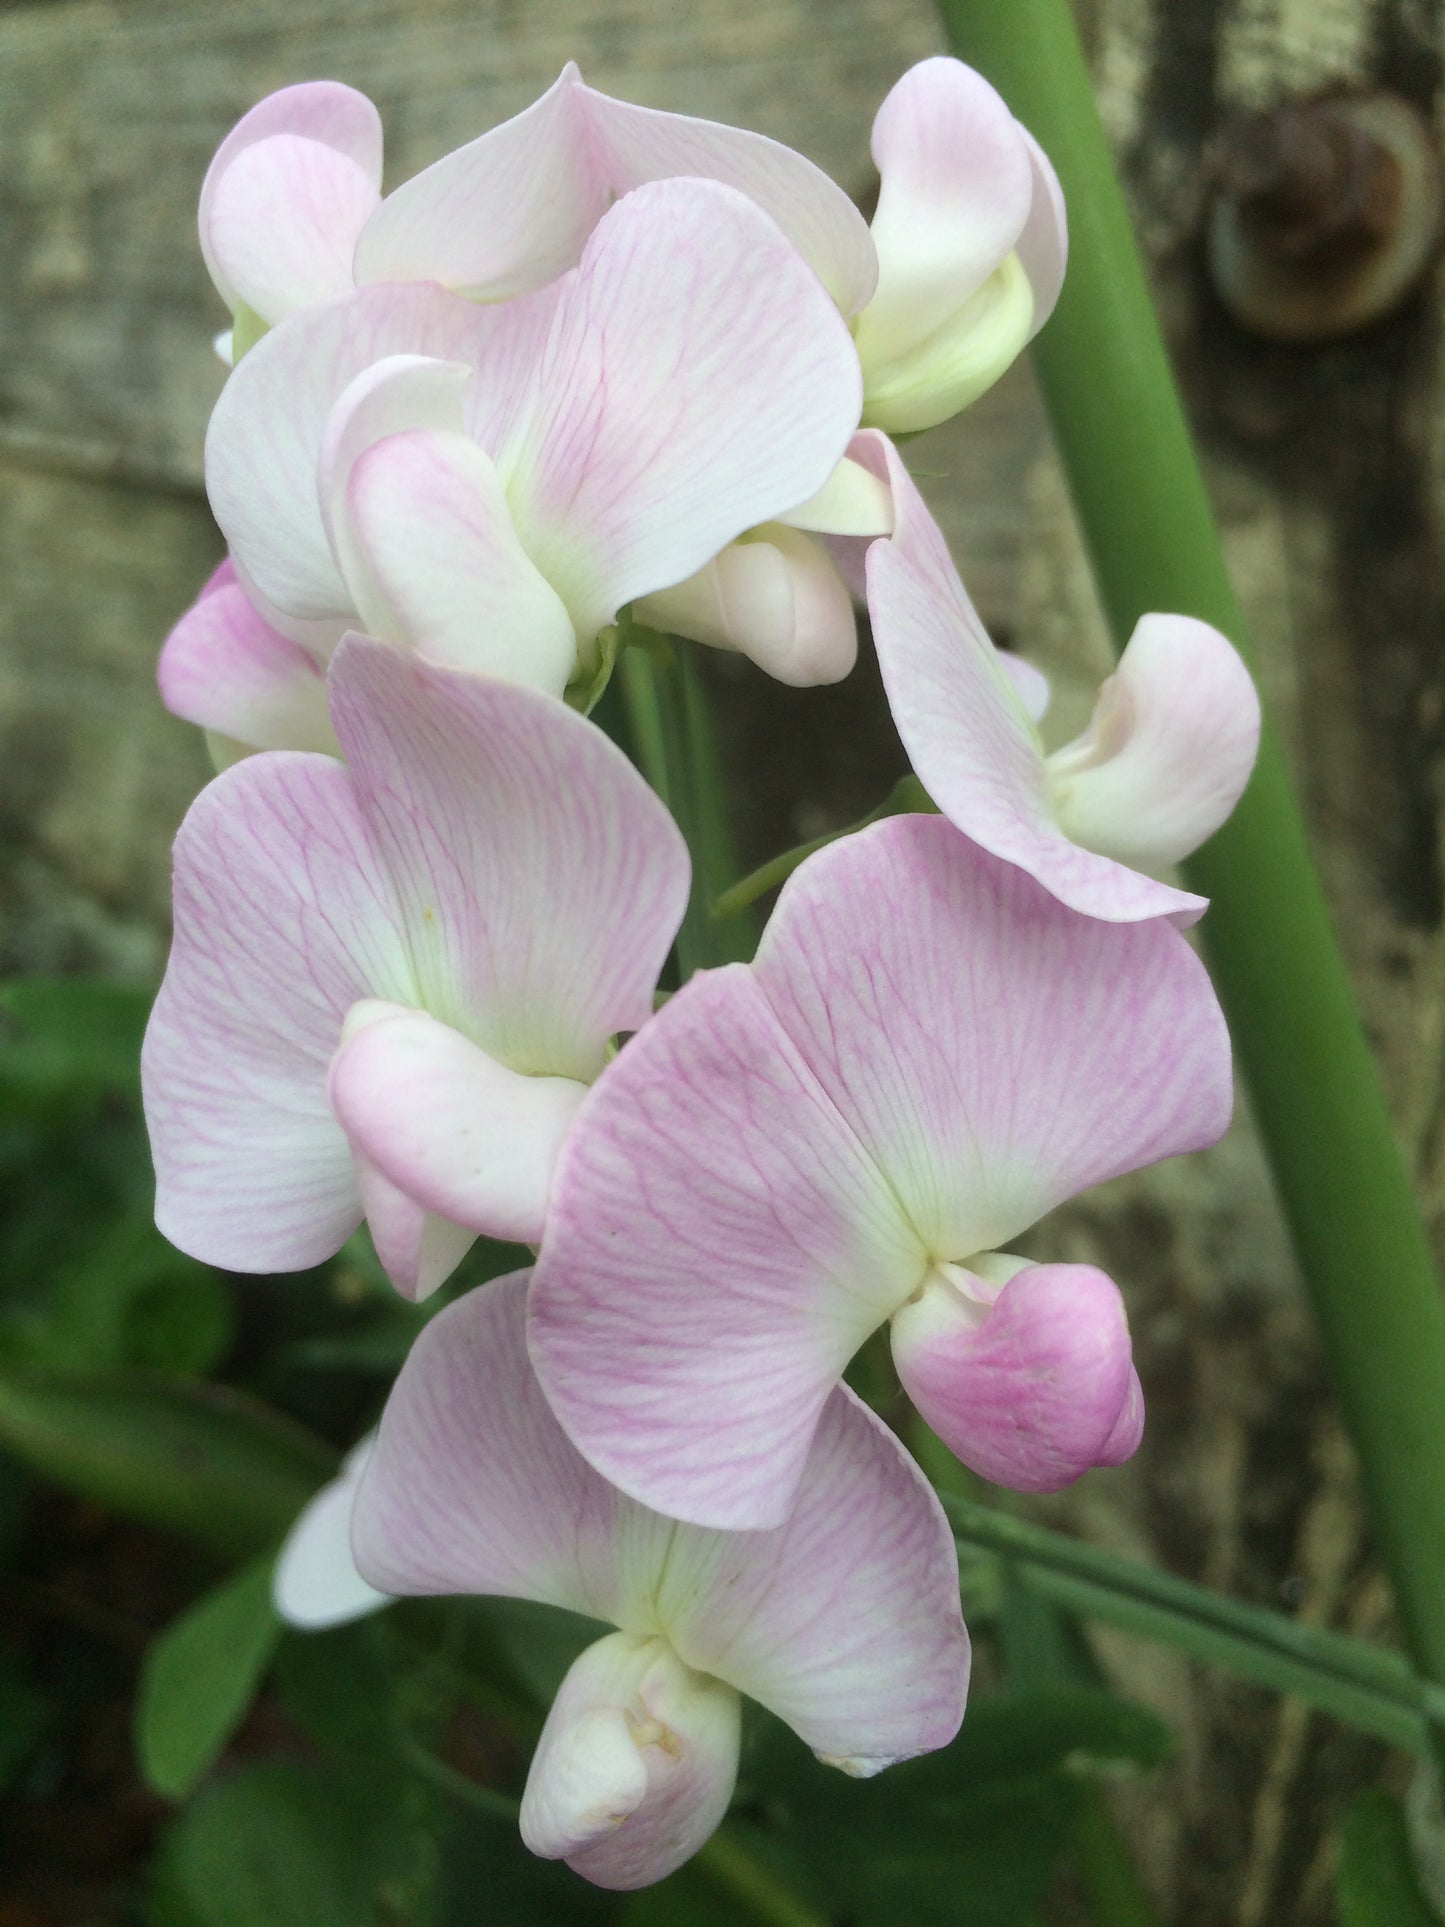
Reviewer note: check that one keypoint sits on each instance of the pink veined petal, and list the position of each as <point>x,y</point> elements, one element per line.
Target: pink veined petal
<point>265,440</point>
<point>697,381</point>
<point>475,1488</point>
<point>635,1766</point>
<point>1043,247</point>
<point>319,110</point>
<point>966,731</point>
<point>503,215</point>
<point>398,392</point>
<point>773,595</point>
<point>418,1249</point>
<point>316,1584</point>
<point>956,182</point>
<point>1168,750</point>
<point>718,1246</point>
<point>640,145</point>
<point>513,209</point>
<point>225,668</point>
<point>1032,1389</point>
<point>284,918</point>
<point>428,514</point>
<point>284,220</point>
<point>451,1127</point>
<point>541,882</point>
<point>994,1052</point>
<point>845,1619</point>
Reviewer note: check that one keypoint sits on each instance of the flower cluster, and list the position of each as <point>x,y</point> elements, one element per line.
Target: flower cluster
<point>602,371</point>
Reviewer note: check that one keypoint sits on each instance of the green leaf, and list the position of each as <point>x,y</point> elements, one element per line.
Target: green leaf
<point>76,1030</point>
<point>129,1298</point>
<point>200,1460</point>
<point>273,1846</point>
<point>200,1677</point>
<point>1376,1885</point>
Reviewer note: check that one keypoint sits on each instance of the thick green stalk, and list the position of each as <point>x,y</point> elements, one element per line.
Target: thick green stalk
<point>1140,497</point>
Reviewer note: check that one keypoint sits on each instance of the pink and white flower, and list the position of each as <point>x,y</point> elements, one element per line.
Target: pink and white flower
<point>1162,763</point>
<point>315,1583</point>
<point>492,484</point>
<point>844,1621</point>
<point>929,1053</point>
<point>392,980</point>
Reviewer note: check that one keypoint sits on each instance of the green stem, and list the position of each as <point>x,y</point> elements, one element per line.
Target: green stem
<point>460,1786</point>
<point>672,739</point>
<point>1366,1685</point>
<point>906,794</point>
<point>731,1865</point>
<point>1141,499</point>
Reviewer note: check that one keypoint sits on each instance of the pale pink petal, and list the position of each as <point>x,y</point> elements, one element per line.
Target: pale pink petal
<point>320,110</point>
<point>636,1764</point>
<point>1031,685</point>
<point>718,1245</point>
<point>475,1488</point>
<point>697,381</point>
<point>285,917</point>
<point>225,668</point>
<point>1123,1442</point>
<point>773,595</point>
<point>418,1250</point>
<point>395,393</point>
<point>316,1583</point>
<point>451,1127</point>
<point>1168,749</point>
<point>845,1619</point>
<point>264,443</point>
<point>284,221</point>
<point>995,1052</point>
<point>1030,1390</point>
<point>541,882</point>
<point>640,144</point>
<point>507,213</point>
<point>1043,247</point>
<point>513,209</point>
<point>428,514</point>
<point>966,731</point>
<point>956,184</point>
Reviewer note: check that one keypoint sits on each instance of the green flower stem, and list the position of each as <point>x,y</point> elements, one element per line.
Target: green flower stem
<point>1366,1685</point>
<point>672,738</point>
<point>727,1861</point>
<point>1146,517</point>
<point>907,794</point>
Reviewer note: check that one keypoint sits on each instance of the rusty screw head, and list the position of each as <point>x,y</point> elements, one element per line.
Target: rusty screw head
<point>1323,214</point>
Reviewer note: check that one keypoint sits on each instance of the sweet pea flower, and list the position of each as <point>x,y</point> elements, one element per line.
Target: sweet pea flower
<point>928,1054</point>
<point>961,267</point>
<point>393,979</point>
<point>492,484</point>
<point>1162,763</point>
<point>971,243</point>
<point>844,1621</point>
